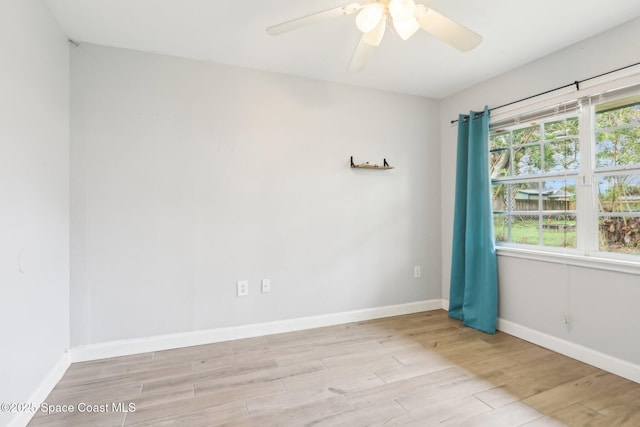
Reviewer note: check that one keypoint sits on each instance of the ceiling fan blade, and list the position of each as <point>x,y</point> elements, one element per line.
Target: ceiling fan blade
<point>446,29</point>
<point>294,24</point>
<point>361,56</point>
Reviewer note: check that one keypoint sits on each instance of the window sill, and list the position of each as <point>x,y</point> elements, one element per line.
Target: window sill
<point>586,261</point>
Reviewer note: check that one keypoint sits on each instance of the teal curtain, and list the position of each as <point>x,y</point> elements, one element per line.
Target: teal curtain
<point>473,294</point>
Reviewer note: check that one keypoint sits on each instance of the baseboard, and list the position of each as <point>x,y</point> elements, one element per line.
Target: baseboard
<point>623,368</point>
<point>42,391</point>
<point>628,370</point>
<point>165,342</point>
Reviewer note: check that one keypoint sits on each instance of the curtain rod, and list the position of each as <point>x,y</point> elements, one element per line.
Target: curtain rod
<point>576,84</point>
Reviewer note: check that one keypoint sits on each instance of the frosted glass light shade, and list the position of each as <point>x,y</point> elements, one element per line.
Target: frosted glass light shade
<point>374,37</point>
<point>402,10</point>
<point>369,17</point>
<point>406,29</point>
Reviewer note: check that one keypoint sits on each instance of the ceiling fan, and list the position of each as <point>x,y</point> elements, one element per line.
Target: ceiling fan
<point>373,16</point>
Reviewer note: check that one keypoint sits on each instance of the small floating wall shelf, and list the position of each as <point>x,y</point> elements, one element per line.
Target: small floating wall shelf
<point>367,165</point>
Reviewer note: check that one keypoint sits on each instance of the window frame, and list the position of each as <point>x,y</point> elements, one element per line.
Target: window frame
<point>541,177</point>
<point>596,172</point>
<point>586,253</point>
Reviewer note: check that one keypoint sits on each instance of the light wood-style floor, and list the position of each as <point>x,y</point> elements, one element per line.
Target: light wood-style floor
<point>422,369</point>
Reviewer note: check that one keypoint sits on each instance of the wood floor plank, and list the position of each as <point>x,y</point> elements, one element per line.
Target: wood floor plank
<point>232,371</point>
<point>339,381</point>
<point>286,400</point>
<point>384,413</point>
<point>370,361</point>
<point>308,352</point>
<point>406,371</point>
<point>579,415</point>
<point>444,412</point>
<point>302,415</point>
<point>496,397</point>
<point>588,387</point>
<point>220,349</point>
<point>207,363</point>
<point>513,414</point>
<point>197,409</point>
<point>78,418</point>
<point>241,393</point>
<point>160,397</point>
<point>398,389</point>
<point>94,393</point>
<point>81,372</point>
<point>258,376</point>
<point>546,421</point>
<point>420,369</point>
<point>429,396</point>
<point>483,365</point>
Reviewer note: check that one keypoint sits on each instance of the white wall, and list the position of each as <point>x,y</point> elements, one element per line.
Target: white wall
<point>603,305</point>
<point>34,198</point>
<point>189,176</point>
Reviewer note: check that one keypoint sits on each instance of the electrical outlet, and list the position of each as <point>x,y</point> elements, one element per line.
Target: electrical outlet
<point>266,286</point>
<point>417,272</point>
<point>243,288</point>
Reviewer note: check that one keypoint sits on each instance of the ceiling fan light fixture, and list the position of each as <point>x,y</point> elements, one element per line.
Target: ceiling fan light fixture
<point>421,9</point>
<point>374,37</point>
<point>402,10</point>
<point>421,15</point>
<point>405,16</point>
<point>369,17</point>
<point>406,28</point>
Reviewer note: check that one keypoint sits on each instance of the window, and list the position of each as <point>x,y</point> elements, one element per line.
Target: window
<point>617,173</point>
<point>568,178</point>
<point>534,169</point>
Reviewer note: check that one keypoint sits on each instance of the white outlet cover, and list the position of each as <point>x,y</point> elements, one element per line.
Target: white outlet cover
<point>243,288</point>
<point>266,285</point>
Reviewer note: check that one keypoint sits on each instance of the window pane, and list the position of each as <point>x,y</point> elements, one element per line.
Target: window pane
<point>515,197</point>
<point>619,234</point>
<point>499,140</point>
<point>524,229</point>
<point>619,193</point>
<point>618,136</point>
<point>526,135</point>
<point>527,160</point>
<point>561,128</point>
<point>498,197</point>
<point>624,116</point>
<point>501,228</point>
<point>516,229</point>
<point>559,231</point>
<point>524,197</point>
<point>499,163</point>
<point>561,156</point>
<point>619,147</point>
<point>559,195</point>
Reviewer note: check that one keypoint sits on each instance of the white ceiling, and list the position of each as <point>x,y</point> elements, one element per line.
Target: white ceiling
<point>233,32</point>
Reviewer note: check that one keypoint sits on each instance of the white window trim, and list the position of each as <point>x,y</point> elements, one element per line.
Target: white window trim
<point>567,258</point>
